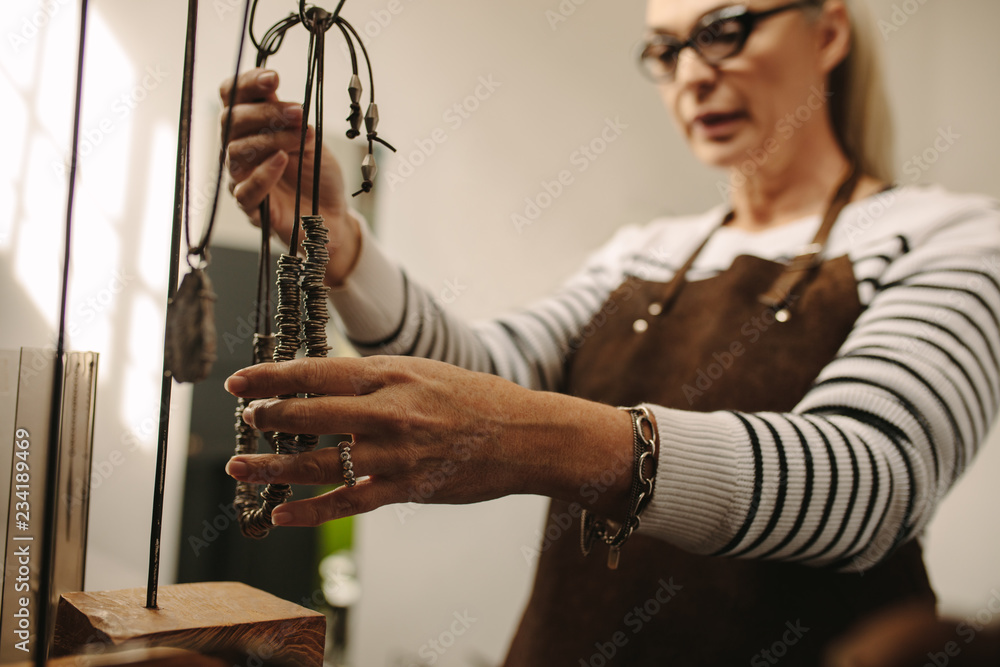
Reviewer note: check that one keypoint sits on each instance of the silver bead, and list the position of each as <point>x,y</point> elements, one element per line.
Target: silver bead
<point>371,117</point>
<point>640,326</point>
<point>354,88</point>
<point>368,167</point>
<point>655,309</point>
<point>783,315</point>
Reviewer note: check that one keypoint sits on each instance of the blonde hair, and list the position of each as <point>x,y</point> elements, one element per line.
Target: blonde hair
<point>859,106</point>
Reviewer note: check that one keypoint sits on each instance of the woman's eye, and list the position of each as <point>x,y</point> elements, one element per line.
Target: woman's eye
<point>725,31</point>
<point>668,55</point>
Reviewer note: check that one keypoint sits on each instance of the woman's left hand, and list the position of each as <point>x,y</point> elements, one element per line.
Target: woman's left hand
<point>425,431</point>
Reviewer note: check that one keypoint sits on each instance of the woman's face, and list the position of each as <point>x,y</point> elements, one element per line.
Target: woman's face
<point>767,100</point>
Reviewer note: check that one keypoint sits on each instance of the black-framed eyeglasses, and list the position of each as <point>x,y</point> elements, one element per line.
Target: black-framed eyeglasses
<point>717,35</point>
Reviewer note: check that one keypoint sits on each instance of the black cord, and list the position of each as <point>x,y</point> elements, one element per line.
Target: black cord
<point>201,249</point>
<point>368,166</point>
<point>181,181</point>
<point>368,62</point>
<point>318,21</point>
<point>318,153</point>
<point>266,47</point>
<point>294,241</point>
<point>275,35</point>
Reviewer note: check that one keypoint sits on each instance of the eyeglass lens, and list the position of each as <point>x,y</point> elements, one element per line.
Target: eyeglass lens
<point>714,41</point>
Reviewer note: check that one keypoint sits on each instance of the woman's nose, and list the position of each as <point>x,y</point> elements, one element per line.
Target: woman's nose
<point>693,70</point>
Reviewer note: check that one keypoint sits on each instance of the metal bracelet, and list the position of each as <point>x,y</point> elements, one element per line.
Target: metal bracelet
<point>644,457</point>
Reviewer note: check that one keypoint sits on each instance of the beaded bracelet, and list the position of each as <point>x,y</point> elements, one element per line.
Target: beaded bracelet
<point>612,533</point>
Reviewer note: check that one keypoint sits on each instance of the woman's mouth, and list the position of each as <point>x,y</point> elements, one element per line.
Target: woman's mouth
<point>718,125</point>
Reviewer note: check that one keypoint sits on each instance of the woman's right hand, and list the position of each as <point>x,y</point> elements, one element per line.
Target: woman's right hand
<point>262,159</point>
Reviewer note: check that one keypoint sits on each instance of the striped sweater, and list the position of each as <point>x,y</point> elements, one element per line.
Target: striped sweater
<point>859,465</point>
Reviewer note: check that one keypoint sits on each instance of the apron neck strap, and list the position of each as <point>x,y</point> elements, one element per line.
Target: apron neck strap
<point>778,295</point>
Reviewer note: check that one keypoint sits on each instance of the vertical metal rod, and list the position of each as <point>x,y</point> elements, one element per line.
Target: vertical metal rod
<point>55,407</point>
<point>183,142</point>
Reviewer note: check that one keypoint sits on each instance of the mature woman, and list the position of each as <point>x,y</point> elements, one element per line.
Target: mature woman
<point>811,366</point>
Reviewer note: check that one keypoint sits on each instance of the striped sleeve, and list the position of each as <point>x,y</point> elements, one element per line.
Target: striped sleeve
<point>859,465</point>
<point>528,346</point>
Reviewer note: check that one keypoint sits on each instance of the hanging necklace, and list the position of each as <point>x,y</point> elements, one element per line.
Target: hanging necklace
<point>302,315</point>
<point>190,349</point>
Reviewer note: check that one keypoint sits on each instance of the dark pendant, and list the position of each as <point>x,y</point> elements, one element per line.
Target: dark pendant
<point>190,346</point>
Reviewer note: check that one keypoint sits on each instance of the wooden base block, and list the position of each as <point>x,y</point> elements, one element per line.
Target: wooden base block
<point>147,657</point>
<point>219,618</point>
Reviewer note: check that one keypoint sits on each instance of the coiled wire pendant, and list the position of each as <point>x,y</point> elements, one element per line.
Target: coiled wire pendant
<point>296,279</point>
<point>247,499</point>
<point>255,516</point>
<point>315,293</point>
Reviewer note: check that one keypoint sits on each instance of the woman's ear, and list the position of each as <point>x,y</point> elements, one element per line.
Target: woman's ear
<point>834,32</point>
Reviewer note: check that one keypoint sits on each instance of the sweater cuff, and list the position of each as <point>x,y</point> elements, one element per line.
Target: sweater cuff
<point>697,471</point>
<point>372,299</point>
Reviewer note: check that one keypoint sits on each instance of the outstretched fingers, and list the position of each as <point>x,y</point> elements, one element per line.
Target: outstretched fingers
<point>319,467</point>
<point>341,376</point>
<point>368,494</point>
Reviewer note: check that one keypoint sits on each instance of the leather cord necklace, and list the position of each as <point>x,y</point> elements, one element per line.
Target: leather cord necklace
<point>781,294</point>
<point>302,315</point>
<point>190,349</point>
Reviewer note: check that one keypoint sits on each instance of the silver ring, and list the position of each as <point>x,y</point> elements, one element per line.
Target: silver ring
<point>347,465</point>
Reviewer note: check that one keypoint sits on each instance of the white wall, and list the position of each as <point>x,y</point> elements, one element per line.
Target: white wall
<point>449,221</point>
<point>121,235</point>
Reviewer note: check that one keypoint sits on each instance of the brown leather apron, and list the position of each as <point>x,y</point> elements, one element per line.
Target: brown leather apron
<point>665,606</point>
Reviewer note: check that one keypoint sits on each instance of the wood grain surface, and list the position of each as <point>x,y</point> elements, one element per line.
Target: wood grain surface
<point>146,657</point>
<point>220,618</point>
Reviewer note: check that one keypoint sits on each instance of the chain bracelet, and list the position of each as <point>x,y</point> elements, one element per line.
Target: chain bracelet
<point>641,491</point>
